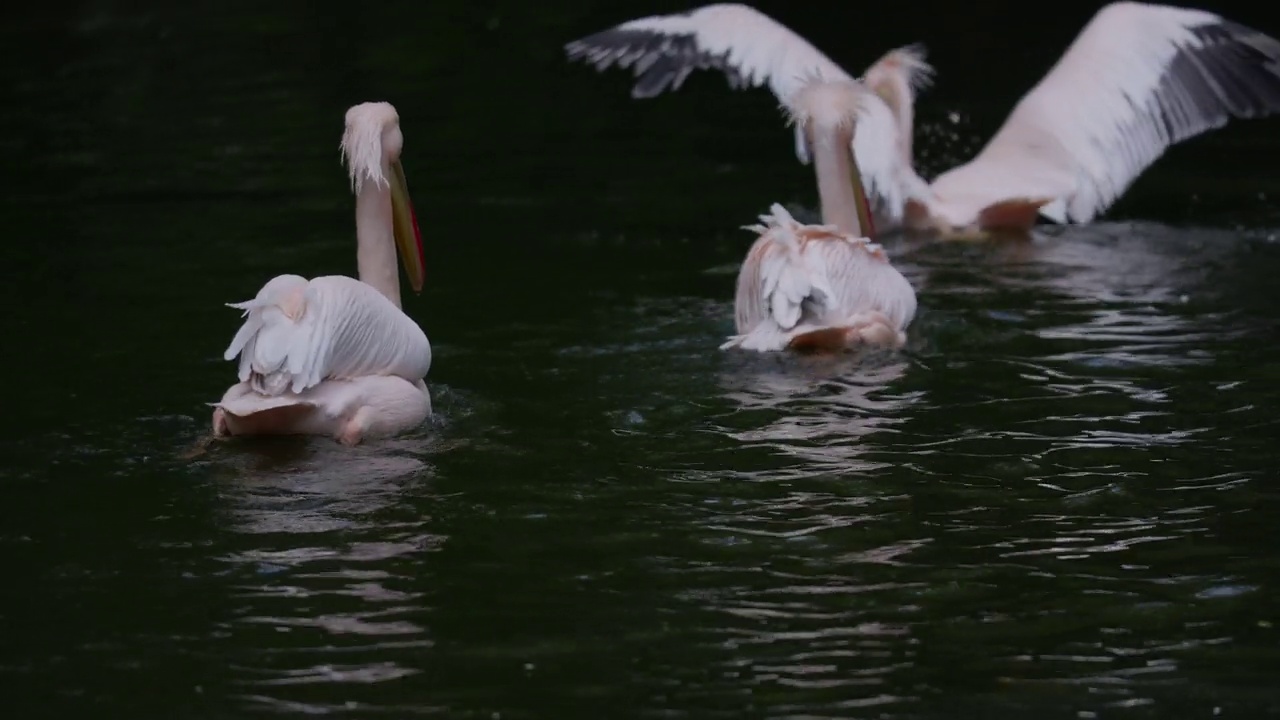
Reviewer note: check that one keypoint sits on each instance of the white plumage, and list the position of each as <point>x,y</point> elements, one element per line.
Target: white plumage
<point>298,333</point>
<point>823,287</point>
<point>750,47</point>
<point>1137,79</point>
<point>335,355</point>
<point>827,112</point>
<point>801,281</point>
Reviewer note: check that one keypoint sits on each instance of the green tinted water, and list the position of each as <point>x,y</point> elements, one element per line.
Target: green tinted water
<point>1060,499</point>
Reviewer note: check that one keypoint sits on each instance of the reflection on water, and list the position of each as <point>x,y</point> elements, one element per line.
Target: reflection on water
<point>815,409</point>
<point>333,537</point>
<point>302,487</point>
<point>1055,500</point>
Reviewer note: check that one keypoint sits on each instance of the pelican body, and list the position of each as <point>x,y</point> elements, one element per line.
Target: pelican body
<point>1137,79</point>
<point>334,355</point>
<point>823,288</point>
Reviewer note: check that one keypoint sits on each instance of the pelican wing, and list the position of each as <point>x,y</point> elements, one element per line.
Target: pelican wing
<point>753,49</point>
<point>748,46</point>
<point>861,279</point>
<point>776,285</point>
<point>298,333</point>
<point>798,278</point>
<point>1137,79</point>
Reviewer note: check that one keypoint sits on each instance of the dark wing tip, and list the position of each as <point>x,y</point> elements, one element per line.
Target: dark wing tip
<point>1240,66</point>
<point>661,61</point>
<point>599,45</point>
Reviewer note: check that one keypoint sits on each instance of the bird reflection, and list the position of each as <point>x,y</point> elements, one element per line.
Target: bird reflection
<point>325,511</point>
<point>1130,263</point>
<point>1112,294</point>
<point>326,550</point>
<point>297,486</point>
<point>818,409</point>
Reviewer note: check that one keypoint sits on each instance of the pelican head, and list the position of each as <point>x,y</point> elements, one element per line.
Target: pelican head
<point>827,108</point>
<point>371,146</point>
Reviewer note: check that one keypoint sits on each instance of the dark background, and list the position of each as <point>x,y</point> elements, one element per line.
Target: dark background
<point>99,93</point>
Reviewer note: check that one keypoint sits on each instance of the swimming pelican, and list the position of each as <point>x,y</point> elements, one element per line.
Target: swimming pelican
<point>334,355</point>
<point>1137,79</point>
<point>823,287</point>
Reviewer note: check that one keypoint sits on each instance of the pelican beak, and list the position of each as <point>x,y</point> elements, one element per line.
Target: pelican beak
<point>860,200</point>
<point>405,226</point>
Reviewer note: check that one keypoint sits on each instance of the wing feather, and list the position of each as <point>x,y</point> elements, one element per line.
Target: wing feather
<point>862,279</point>
<point>749,47</point>
<point>799,278</point>
<point>1136,80</point>
<point>366,334</point>
<point>773,283</point>
<point>298,333</point>
<point>753,49</point>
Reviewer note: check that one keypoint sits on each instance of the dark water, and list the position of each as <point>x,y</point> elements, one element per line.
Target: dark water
<point>1060,500</point>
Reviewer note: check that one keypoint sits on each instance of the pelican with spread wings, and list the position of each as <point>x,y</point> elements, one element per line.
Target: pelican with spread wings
<point>334,355</point>
<point>1137,79</point>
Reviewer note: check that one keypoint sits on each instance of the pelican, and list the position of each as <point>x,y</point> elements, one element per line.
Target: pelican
<point>752,49</point>
<point>334,355</point>
<point>823,287</point>
<point>1137,79</point>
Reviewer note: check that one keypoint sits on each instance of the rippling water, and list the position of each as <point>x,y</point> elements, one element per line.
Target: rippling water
<point>1059,499</point>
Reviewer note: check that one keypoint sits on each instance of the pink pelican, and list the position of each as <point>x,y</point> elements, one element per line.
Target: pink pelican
<point>1137,79</point>
<point>334,355</point>
<point>824,287</point>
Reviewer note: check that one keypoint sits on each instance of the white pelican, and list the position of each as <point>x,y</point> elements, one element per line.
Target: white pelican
<point>334,355</point>
<point>823,287</point>
<point>1137,79</point>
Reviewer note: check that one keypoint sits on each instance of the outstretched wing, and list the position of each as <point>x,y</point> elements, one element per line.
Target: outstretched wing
<point>753,49</point>
<point>1137,79</point>
<point>298,333</point>
<point>748,46</point>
